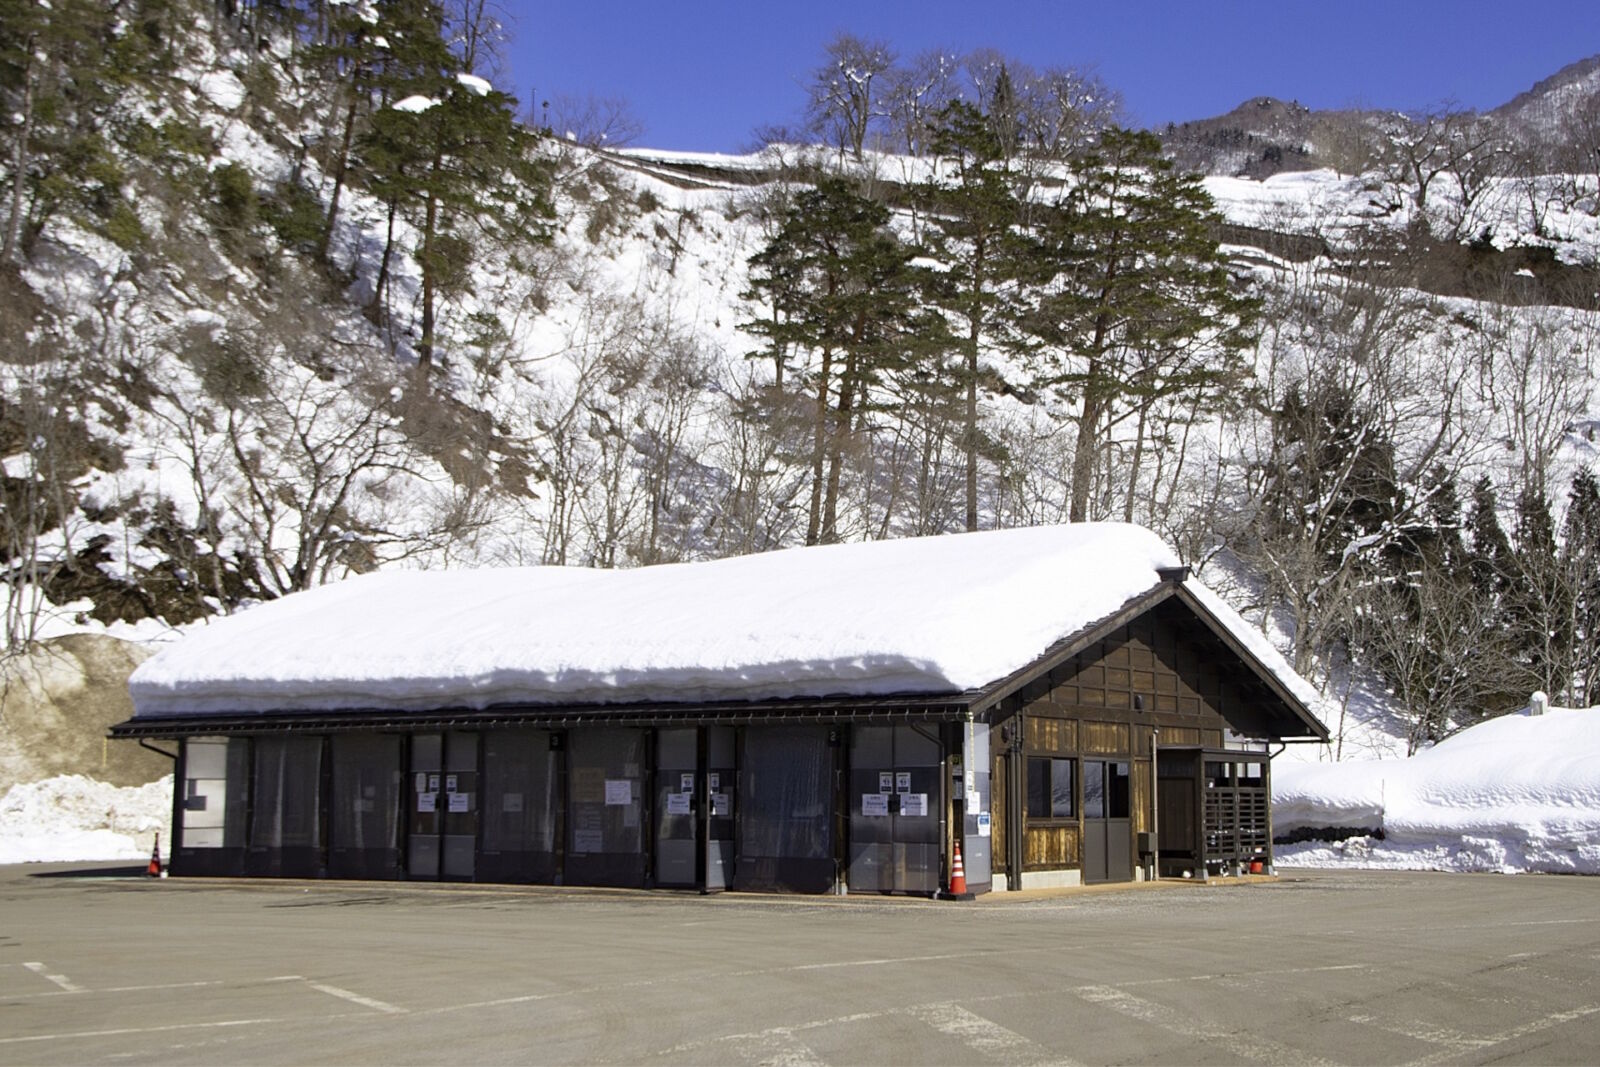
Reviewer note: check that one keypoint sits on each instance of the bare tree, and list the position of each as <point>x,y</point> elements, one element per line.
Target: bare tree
<point>594,121</point>
<point>841,102</point>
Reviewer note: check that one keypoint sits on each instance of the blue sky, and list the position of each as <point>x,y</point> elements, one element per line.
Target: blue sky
<point>703,74</point>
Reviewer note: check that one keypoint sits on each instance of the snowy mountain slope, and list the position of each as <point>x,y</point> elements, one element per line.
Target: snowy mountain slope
<point>241,422</point>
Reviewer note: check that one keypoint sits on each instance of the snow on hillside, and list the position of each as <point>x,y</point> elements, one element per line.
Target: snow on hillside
<point>1517,793</point>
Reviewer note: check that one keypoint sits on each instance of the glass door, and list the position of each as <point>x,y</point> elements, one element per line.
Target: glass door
<point>1107,828</point>
<point>895,800</point>
<point>677,806</point>
<point>718,813</point>
<point>443,842</point>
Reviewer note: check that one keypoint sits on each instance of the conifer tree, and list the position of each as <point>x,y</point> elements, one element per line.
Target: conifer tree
<point>1139,306</point>
<point>972,213</point>
<point>56,82</point>
<point>842,288</point>
<point>1580,559</point>
<point>447,150</point>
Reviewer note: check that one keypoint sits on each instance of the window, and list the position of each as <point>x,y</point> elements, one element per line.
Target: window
<point>1050,794</point>
<point>1105,790</point>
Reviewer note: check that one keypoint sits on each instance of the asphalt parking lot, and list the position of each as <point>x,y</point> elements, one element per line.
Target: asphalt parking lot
<point>1358,968</point>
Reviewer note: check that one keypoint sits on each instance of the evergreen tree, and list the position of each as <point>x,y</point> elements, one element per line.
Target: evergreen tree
<point>447,150</point>
<point>972,212</point>
<point>1491,561</point>
<point>1580,558</point>
<point>57,82</point>
<point>1139,306</point>
<point>842,288</point>
<point>1539,613</point>
<point>1495,571</point>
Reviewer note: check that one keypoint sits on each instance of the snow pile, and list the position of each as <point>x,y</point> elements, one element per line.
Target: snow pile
<point>71,818</point>
<point>920,615</point>
<point>1518,793</point>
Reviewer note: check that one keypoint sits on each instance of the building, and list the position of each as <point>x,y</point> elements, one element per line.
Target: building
<point>1066,703</point>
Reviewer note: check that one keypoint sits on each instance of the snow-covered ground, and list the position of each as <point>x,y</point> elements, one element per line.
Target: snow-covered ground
<point>1514,794</point>
<point>71,818</point>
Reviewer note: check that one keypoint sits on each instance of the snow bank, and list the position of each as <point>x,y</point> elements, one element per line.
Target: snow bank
<point>72,818</point>
<point>921,615</point>
<point>1518,793</point>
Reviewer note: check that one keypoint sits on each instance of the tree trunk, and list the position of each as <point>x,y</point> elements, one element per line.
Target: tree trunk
<point>819,448</point>
<point>340,168</point>
<point>382,281</point>
<point>11,252</point>
<point>841,432</point>
<point>1133,470</point>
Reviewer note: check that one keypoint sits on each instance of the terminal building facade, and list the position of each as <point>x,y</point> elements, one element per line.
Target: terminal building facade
<point>1063,705</point>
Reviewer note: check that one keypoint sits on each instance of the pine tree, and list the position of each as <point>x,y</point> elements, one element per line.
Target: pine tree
<point>446,149</point>
<point>842,287</point>
<point>1139,306</point>
<point>1580,559</point>
<point>60,65</point>
<point>1539,603</point>
<point>972,216</point>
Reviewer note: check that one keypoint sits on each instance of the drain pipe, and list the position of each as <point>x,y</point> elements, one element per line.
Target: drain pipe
<point>145,744</point>
<point>1272,853</point>
<point>1155,803</point>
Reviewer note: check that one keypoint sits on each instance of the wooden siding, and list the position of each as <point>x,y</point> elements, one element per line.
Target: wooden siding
<point>1141,806</point>
<point>1052,734</point>
<point>1106,702</point>
<point>1105,738</point>
<point>1050,847</point>
<point>999,790</point>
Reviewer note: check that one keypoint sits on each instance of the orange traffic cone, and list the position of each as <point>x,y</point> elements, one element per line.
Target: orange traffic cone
<point>155,858</point>
<point>958,872</point>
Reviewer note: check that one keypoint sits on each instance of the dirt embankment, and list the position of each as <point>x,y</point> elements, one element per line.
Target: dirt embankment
<point>56,703</point>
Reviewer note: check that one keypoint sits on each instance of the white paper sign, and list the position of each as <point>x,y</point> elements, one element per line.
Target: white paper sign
<point>913,804</point>
<point>874,803</point>
<point>619,791</point>
<point>720,806</point>
<point>886,781</point>
<point>422,781</point>
<point>427,802</point>
<point>460,802</point>
<point>449,783</point>
<point>983,824</point>
<point>686,783</point>
<point>714,780</point>
<point>677,803</point>
<point>902,782</point>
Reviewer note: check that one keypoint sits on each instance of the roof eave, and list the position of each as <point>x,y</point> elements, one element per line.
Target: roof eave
<point>1315,728</point>
<point>990,696</point>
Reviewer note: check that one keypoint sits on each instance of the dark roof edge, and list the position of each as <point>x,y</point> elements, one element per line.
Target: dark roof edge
<point>1068,647</point>
<point>1270,679</point>
<point>821,710</point>
<point>1169,586</point>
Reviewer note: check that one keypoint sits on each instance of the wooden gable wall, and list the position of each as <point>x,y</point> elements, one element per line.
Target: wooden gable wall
<point>1189,684</point>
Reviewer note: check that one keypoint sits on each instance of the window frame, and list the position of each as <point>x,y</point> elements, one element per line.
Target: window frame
<point>1051,765</point>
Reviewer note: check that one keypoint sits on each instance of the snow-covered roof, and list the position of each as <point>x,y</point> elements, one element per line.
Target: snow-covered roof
<point>916,616</point>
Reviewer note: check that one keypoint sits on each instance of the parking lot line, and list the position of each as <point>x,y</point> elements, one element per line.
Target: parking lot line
<point>59,979</point>
<point>356,998</point>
